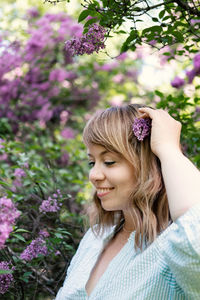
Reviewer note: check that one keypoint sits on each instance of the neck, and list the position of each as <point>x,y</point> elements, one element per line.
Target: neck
<point>127,230</point>
<point>128,225</point>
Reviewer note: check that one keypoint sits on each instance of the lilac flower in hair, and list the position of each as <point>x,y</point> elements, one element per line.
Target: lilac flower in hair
<point>141,128</point>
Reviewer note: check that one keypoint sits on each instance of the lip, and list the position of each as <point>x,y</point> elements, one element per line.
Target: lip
<point>104,193</point>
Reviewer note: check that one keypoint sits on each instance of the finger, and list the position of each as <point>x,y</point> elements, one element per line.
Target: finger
<point>147,112</point>
<point>143,115</point>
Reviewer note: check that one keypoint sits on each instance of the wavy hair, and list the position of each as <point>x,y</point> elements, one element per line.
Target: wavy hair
<point>148,204</point>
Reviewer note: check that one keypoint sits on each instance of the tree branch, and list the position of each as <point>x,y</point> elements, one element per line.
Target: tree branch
<point>185,6</point>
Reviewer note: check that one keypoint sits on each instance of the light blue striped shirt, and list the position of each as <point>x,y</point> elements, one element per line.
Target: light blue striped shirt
<point>168,269</point>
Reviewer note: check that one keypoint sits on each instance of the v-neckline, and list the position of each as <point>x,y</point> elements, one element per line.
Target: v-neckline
<point>106,242</point>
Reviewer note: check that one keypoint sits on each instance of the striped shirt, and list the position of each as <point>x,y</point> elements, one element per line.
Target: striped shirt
<point>168,269</point>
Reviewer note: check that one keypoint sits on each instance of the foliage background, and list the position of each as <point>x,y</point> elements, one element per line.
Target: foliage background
<point>46,144</point>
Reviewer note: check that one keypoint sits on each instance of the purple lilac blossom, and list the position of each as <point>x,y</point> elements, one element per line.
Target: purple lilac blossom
<point>26,165</point>
<point>152,42</point>
<point>45,113</point>
<point>57,75</point>
<point>119,78</point>
<point>67,133</point>
<point>196,62</point>
<point>8,215</point>
<point>194,21</point>
<point>190,75</point>
<point>64,115</point>
<point>141,128</point>
<point>43,233</point>
<point>64,160</point>
<point>50,205</point>
<point>91,41</point>
<point>3,157</point>
<point>109,66</point>
<point>36,247</point>
<point>33,12</point>
<point>5,279</point>
<point>19,173</point>
<point>177,82</point>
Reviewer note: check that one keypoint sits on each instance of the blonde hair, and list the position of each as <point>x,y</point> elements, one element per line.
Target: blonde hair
<point>112,129</point>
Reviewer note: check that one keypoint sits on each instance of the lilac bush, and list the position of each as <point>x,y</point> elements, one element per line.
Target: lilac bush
<point>36,75</point>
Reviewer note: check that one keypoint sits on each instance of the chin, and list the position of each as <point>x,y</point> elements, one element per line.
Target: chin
<point>109,207</point>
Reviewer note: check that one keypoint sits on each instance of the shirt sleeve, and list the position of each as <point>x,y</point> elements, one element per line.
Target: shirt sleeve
<point>180,247</point>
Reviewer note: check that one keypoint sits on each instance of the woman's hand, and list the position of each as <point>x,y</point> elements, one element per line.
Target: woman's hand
<point>165,131</point>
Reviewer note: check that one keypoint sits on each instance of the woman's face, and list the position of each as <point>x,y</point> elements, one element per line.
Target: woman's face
<point>112,176</point>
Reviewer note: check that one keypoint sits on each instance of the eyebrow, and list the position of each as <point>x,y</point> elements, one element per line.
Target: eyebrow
<point>101,154</point>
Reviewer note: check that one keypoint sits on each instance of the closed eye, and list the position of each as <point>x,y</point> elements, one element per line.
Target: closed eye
<point>108,163</point>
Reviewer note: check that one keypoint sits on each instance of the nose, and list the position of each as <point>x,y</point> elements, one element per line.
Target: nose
<point>96,173</point>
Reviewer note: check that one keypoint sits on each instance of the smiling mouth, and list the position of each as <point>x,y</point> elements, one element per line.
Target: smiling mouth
<point>103,192</point>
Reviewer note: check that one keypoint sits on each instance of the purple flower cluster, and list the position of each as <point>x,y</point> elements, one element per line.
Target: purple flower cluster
<point>178,82</point>
<point>30,88</point>
<point>90,42</point>
<point>5,279</point>
<point>196,63</point>
<point>141,128</point>
<point>8,215</point>
<point>67,133</point>
<point>196,70</point>
<point>36,247</point>
<point>58,75</point>
<point>52,204</point>
<point>19,173</point>
<point>43,233</point>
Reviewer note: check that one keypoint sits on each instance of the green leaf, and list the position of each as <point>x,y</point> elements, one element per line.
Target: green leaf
<point>161,14</point>
<point>105,3</point>
<point>158,93</point>
<point>21,230</point>
<point>166,18</point>
<point>6,272</point>
<point>84,14</point>
<point>19,237</point>
<point>179,37</point>
<point>167,53</point>
<point>153,29</point>
<point>133,35</point>
<point>4,184</point>
<point>27,274</point>
<point>155,19</point>
<point>89,22</point>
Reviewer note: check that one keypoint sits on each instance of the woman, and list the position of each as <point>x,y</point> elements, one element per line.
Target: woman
<point>144,240</point>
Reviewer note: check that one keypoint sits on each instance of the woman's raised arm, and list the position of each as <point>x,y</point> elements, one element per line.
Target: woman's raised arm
<point>181,177</point>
